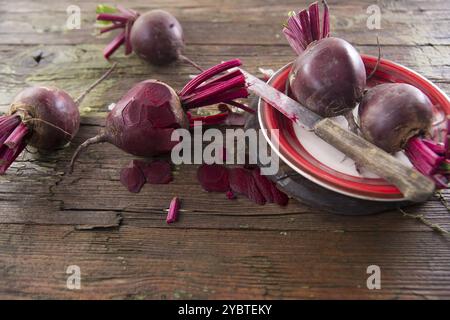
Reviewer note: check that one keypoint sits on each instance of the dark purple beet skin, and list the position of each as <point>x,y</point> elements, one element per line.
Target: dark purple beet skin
<point>392,113</point>
<point>328,77</point>
<point>51,105</point>
<point>143,120</point>
<point>157,37</point>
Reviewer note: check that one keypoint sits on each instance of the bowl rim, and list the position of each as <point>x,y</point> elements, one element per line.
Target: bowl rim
<point>318,180</point>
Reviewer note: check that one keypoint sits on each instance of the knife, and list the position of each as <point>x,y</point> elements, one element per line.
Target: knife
<point>413,185</point>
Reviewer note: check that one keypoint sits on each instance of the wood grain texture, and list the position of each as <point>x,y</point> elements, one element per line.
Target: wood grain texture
<point>219,248</point>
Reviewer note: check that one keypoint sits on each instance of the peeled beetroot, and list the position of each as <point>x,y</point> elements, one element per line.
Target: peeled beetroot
<point>246,180</point>
<point>155,36</point>
<point>392,113</point>
<point>143,120</point>
<point>156,172</point>
<point>132,177</point>
<point>45,118</point>
<point>213,177</point>
<point>242,181</point>
<point>328,75</point>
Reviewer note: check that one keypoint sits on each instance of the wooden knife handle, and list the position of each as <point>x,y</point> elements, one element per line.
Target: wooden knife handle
<point>414,186</point>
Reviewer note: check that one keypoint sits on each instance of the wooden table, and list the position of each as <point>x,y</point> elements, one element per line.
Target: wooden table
<point>219,248</point>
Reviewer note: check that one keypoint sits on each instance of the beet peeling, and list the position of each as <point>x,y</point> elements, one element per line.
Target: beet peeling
<point>155,36</point>
<point>328,75</point>
<point>248,182</point>
<point>143,120</point>
<point>138,172</point>
<point>46,118</point>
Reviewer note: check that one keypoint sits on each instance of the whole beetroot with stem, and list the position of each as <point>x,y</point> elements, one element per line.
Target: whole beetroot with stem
<point>45,118</point>
<point>328,76</point>
<point>155,36</point>
<point>143,120</point>
<point>398,116</point>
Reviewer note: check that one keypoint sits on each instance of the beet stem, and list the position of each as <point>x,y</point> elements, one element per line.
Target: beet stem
<point>314,21</point>
<point>208,74</point>
<point>241,106</point>
<point>174,208</point>
<point>16,137</point>
<point>8,156</point>
<point>326,20</point>
<point>304,20</point>
<point>94,140</point>
<point>111,17</point>
<point>114,45</point>
<point>113,27</point>
<point>96,83</point>
<point>420,150</point>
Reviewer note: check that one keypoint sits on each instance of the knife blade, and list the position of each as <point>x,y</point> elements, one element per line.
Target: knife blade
<point>414,186</point>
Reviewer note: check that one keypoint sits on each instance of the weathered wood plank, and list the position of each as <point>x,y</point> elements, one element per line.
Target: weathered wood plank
<point>174,263</point>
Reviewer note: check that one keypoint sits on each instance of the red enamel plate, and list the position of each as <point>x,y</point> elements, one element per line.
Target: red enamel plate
<point>318,161</point>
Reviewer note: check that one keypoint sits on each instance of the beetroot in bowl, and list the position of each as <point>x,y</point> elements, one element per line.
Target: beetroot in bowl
<point>322,163</point>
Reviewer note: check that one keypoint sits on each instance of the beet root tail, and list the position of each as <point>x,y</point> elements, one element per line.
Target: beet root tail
<point>100,138</point>
<point>95,84</point>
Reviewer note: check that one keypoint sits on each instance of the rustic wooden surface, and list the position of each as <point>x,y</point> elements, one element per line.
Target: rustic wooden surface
<point>219,248</point>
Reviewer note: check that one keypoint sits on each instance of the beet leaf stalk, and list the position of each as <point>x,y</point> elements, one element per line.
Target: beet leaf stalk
<point>428,157</point>
<point>155,36</point>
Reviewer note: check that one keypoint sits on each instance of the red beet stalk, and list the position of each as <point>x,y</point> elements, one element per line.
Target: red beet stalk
<point>13,134</point>
<point>174,208</point>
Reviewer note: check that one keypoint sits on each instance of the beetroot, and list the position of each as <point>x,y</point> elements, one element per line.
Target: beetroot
<point>132,177</point>
<point>155,36</point>
<point>328,75</point>
<point>156,172</point>
<point>45,118</point>
<point>143,120</point>
<point>392,113</point>
<point>397,116</point>
<point>213,177</point>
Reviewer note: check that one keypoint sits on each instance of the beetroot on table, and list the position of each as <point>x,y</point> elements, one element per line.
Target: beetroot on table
<point>328,76</point>
<point>156,172</point>
<point>213,177</point>
<point>143,120</point>
<point>132,177</point>
<point>155,36</point>
<point>45,118</point>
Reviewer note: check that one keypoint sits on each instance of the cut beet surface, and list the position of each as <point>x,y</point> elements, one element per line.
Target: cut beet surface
<point>213,177</point>
<point>242,181</point>
<point>132,177</point>
<point>156,172</point>
<point>264,185</point>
